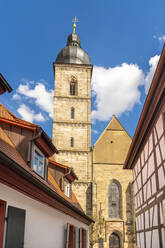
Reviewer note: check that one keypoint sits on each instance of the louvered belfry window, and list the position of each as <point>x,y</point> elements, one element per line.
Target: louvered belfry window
<point>73,86</point>
<point>72,89</point>
<point>113,200</point>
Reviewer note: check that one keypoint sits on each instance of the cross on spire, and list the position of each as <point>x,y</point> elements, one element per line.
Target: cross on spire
<point>74,24</point>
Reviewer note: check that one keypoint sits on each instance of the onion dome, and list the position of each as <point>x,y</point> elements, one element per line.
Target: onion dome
<point>72,53</point>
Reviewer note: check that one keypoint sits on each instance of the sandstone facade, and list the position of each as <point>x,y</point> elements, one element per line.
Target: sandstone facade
<point>96,168</point>
<point>79,128</point>
<point>109,155</point>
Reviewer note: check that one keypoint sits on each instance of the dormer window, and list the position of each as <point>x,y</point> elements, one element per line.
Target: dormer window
<point>38,162</point>
<point>67,188</point>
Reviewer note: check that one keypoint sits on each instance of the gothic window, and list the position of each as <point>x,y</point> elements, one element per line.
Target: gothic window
<point>114,200</point>
<point>72,113</point>
<point>114,241</point>
<point>71,142</point>
<point>101,243</point>
<point>73,86</point>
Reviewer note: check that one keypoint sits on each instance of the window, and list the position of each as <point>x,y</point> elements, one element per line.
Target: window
<point>114,200</point>
<point>72,89</point>
<point>38,162</point>
<point>15,227</point>
<point>114,241</point>
<point>72,113</point>
<point>76,237</point>
<point>67,188</point>
<point>73,86</point>
<point>72,142</point>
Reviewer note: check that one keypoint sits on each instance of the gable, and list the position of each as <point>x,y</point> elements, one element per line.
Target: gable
<point>113,144</point>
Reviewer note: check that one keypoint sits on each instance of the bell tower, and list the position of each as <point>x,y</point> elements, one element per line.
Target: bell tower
<point>72,115</point>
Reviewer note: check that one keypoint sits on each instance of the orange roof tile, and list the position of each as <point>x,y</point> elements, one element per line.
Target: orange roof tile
<point>53,162</point>
<point>73,198</point>
<point>5,114</point>
<point>8,148</point>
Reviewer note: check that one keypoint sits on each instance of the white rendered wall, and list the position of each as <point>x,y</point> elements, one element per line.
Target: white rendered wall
<point>44,225</point>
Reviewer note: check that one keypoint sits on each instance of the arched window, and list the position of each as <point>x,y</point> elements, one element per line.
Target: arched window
<point>73,86</point>
<point>72,142</point>
<point>114,198</point>
<point>72,113</point>
<point>114,241</point>
<point>101,243</point>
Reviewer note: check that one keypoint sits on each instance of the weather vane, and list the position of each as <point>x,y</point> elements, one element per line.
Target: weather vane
<point>74,24</point>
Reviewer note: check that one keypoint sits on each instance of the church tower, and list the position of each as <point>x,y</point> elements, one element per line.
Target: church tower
<point>72,115</point>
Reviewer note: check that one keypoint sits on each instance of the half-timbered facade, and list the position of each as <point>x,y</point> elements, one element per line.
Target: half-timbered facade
<point>147,158</point>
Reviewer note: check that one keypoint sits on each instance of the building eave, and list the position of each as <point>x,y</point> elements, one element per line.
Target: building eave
<point>5,84</point>
<point>154,98</point>
<point>12,165</point>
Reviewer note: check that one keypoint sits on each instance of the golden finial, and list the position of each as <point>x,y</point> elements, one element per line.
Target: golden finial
<point>74,24</point>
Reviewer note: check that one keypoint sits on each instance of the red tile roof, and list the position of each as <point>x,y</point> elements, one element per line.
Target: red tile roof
<point>6,115</point>
<point>9,149</point>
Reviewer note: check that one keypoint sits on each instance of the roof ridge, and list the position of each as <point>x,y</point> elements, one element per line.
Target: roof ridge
<point>106,128</point>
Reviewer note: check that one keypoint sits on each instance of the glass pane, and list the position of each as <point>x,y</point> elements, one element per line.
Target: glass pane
<point>114,200</point>
<point>38,165</point>
<point>36,154</point>
<point>40,169</point>
<point>114,241</point>
<point>35,162</point>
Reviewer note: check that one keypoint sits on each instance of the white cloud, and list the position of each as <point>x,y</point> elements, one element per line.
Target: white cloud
<point>29,115</point>
<point>43,97</point>
<point>116,89</point>
<point>161,38</point>
<point>153,64</point>
<point>16,97</point>
<point>94,131</point>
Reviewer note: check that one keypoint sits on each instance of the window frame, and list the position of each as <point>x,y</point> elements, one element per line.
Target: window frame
<point>73,89</point>
<point>67,188</point>
<point>40,153</point>
<point>114,203</point>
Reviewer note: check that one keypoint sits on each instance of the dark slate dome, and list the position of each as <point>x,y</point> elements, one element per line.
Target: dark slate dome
<point>73,53</point>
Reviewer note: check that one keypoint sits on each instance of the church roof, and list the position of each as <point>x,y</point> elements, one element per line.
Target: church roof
<point>72,53</point>
<point>112,145</point>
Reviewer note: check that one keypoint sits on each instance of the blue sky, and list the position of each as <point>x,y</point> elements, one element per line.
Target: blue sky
<point>120,36</point>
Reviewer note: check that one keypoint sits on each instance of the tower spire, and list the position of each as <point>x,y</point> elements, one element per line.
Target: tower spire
<point>74,24</point>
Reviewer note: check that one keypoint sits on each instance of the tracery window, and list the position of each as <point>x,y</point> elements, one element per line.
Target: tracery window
<point>72,142</point>
<point>114,196</point>
<point>72,113</point>
<point>114,241</point>
<point>73,86</point>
